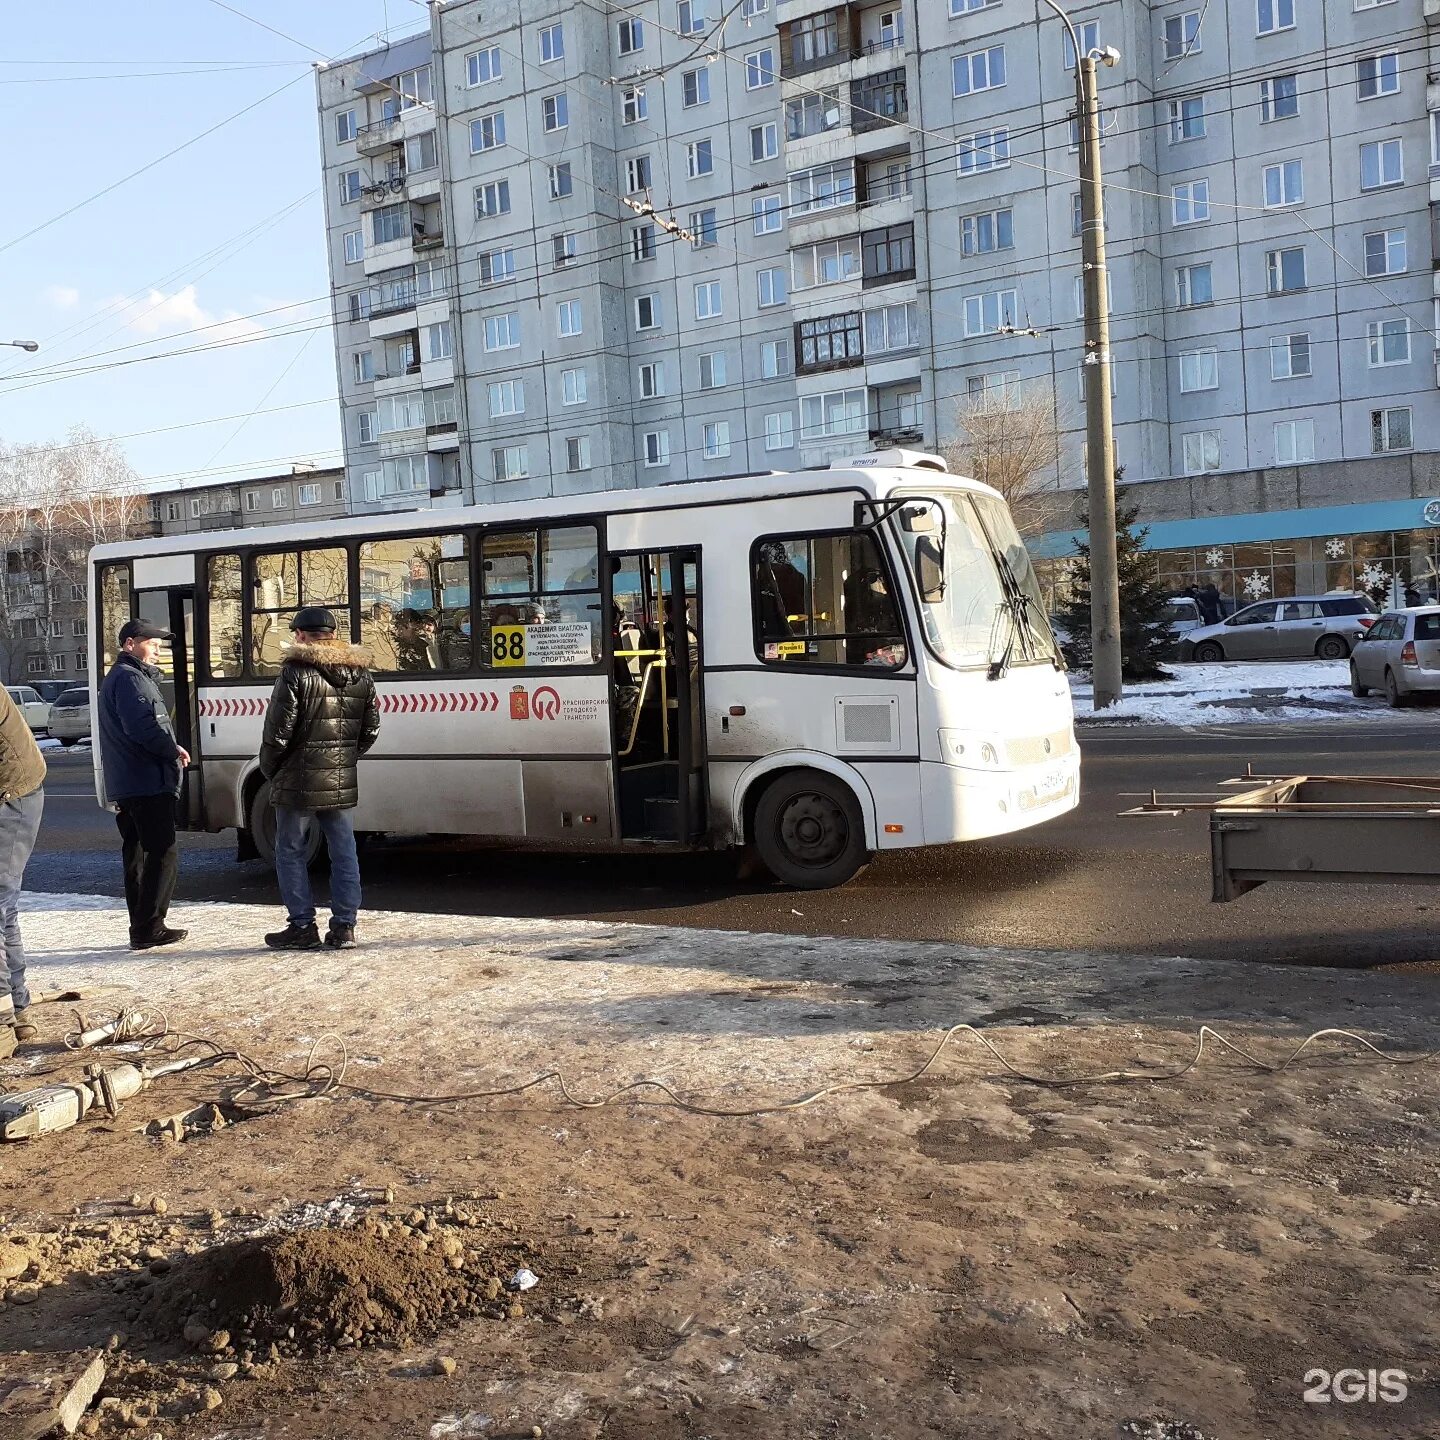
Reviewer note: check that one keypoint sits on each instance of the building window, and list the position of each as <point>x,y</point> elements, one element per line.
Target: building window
<point>695,88</point>
<point>657,448</point>
<point>1182,35</point>
<point>555,111</point>
<point>1381,164</point>
<point>1089,31</point>
<point>833,414</point>
<point>1187,119</point>
<point>552,43</point>
<point>828,343</point>
<point>1284,184</point>
<point>1279,98</point>
<point>637,173</point>
<point>715,439</point>
<point>487,132</point>
<point>709,301</point>
<point>780,430</point>
<point>690,16</point>
<point>492,199</point>
<point>1200,451</point>
<point>774,359</point>
<point>483,66</point>
<point>354,246</point>
<point>990,230</point>
<point>511,462</point>
<point>574,387</point>
<point>1294,442</point>
<point>1193,285</point>
<point>507,397</point>
<point>82,661</point>
<point>630,36</point>
<point>277,498</point>
<point>770,283</point>
<point>704,227</point>
<point>565,247</point>
<point>999,390</point>
<point>647,312</point>
<point>764,141</point>
<point>345,127</point>
<point>438,341</point>
<point>577,453</point>
<point>759,69</point>
<point>642,242</point>
<point>1377,75</point>
<point>1385,252</point>
<point>1190,202</point>
<point>365,433</point>
<point>981,70</point>
<point>1289,356</point>
<point>562,183</point>
<point>1199,370</point>
<point>822,188</point>
<point>1285,270</point>
<point>349,186</point>
<point>497,266</point>
<point>1388,342</point>
<point>892,327</point>
<point>712,370</point>
<point>987,313</point>
<point>767,214</point>
<point>633,105</point>
<point>1274,15</point>
<point>502,332</point>
<point>1390,430</point>
<point>652,379</point>
<point>307,495</point>
<point>252,497</point>
<point>699,159</point>
<point>984,150</point>
<point>362,364</point>
<point>889,254</point>
<point>569,318</point>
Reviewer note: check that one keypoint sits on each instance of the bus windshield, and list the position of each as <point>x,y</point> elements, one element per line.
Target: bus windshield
<point>981,603</point>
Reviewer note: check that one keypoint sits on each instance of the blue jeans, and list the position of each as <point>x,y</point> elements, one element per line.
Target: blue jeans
<point>19,825</point>
<point>293,874</point>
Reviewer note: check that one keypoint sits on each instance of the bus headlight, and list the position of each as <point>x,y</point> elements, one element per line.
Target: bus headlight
<point>964,747</point>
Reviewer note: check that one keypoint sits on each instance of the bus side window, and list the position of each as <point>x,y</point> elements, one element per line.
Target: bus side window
<point>541,601</point>
<point>223,612</point>
<point>825,600</point>
<point>415,603</point>
<point>114,609</point>
<point>280,583</point>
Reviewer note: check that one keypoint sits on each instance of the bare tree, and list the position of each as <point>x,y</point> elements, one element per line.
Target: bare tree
<point>1010,440</point>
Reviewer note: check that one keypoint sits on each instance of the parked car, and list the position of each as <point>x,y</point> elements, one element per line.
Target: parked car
<point>1400,655</point>
<point>31,705</point>
<point>50,690</point>
<point>70,716</point>
<point>1183,613</point>
<point>1329,626</point>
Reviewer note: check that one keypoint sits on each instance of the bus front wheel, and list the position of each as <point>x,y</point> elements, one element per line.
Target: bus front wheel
<point>262,829</point>
<point>809,831</point>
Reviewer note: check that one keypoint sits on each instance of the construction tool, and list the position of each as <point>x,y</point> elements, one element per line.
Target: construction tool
<point>28,1114</point>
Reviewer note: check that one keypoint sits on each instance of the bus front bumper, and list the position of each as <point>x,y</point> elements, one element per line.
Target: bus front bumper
<point>966,804</point>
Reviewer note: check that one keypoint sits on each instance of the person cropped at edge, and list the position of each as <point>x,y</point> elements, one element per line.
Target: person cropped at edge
<point>22,802</point>
<point>322,716</point>
<point>143,763</point>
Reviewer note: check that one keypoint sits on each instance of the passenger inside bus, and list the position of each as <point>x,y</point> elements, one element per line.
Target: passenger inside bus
<point>415,642</point>
<point>782,591</point>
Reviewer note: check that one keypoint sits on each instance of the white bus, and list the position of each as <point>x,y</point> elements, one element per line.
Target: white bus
<point>821,664</point>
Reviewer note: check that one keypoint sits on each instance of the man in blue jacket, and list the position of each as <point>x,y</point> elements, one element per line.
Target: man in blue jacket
<point>143,762</point>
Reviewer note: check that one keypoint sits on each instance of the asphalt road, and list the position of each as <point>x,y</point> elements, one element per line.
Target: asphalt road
<point>1091,880</point>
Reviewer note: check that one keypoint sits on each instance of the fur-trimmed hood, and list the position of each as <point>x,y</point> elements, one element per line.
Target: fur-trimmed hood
<point>330,655</point>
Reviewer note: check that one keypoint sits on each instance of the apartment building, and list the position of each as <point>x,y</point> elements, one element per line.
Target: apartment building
<point>300,494</point>
<point>633,241</point>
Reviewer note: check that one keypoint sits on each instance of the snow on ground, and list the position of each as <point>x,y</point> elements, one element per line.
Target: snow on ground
<point>1238,692</point>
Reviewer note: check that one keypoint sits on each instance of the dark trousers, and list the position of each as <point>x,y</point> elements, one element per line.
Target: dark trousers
<point>152,860</point>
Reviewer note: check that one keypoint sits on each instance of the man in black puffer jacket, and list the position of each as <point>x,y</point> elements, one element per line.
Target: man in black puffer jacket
<point>322,717</point>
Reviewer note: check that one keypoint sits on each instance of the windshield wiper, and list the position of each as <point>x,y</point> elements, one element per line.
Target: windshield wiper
<point>1017,607</point>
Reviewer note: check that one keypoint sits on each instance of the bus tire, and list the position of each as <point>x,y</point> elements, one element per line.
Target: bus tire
<point>262,830</point>
<point>809,831</point>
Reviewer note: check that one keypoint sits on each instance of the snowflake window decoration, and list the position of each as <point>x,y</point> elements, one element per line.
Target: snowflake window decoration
<point>1335,549</point>
<point>1214,558</point>
<point>1374,577</point>
<point>1257,586</point>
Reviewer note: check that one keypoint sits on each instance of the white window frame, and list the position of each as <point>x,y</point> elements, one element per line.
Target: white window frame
<point>500,263</point>
<point>1268,98</point>
<point>712,367</point>
<point>1283,353</point>
<point>974,227</point>
<point>1380,73</point>
<point>1293,452</point>
<point>1378,333</point>
<point>977,71</point>
<point>1197,447</point>
<point>630,35</point>
<point>1089,31</point>
<point>501,332</point>
<point>1382,148</point>
<point>574,387</point>
<point>560,179</point>
<point>555,112</point>
<point>1185,285</point>
<point>650,380</point>
<point>354,242</point>
<point>1275,271</point>
<point>552,43</point>
<point>780,430</point>
<point>715,439</point>
<point>983,150</point>
<point>988,312</point>
<point>767,214</point>
<point>492,65</point>
<point>759,69</point>
<point>1388,247</point>
<point>695,88</point>
<point>1195,364</point>
<point>350,186</point>
<point>690,17</point>
<point>851,407</point>
<point>774,359</point>
<point>700,158</point>
<point>577,453</point>
<point>1195,196</point>
<point>1182,120</point>
<point>642,304</point>
<point>492,198</point>
<point>505,398</point>
<point>571,314</point>
<point>1188,23</point>
<point>638,174</point>
<point>346,127</point>
<point>634,105</point>
<point>487,132</point>
<point>439,341</point>
<point>510,462</point>
<point>768,289</point>
<point>656,448</point>
<point>995,390</point>
<point>1278,11</point>
<point>768,136</point>
<point>1281,195</point>
<point>1386,424</point>
<point>709,300</point>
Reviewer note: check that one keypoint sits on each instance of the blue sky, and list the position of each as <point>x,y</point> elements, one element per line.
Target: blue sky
<point>230,227</point>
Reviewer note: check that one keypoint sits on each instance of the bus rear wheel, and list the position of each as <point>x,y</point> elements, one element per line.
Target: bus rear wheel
<point>262,830</point>
<point>809,831</point>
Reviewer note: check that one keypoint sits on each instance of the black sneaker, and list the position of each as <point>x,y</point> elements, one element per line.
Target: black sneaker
<point>340,936</point>
<point>163,936</point>
<point>294,937</point>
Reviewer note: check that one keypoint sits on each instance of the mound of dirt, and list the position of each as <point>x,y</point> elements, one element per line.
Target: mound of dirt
<point>310,1290</point>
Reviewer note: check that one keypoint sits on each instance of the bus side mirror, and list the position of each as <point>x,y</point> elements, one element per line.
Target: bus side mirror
<point>930,569</point>
<point>917,520</point>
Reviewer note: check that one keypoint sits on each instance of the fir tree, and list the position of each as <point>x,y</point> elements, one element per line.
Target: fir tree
<point>1146,637</point>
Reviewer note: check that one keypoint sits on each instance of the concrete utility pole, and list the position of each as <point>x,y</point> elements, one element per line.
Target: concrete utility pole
<point>1105,658</point>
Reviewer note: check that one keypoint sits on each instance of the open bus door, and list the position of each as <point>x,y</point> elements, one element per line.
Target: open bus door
<point>174,609</point>
<point>656,700</point>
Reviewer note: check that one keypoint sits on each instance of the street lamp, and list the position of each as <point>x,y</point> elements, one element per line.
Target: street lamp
<point>1105,656</point>
<point>31,345</point>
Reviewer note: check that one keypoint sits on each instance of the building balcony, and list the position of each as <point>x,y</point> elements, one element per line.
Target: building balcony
<point>382,192</point>
<point>376,138</point>
<point>898,435</point>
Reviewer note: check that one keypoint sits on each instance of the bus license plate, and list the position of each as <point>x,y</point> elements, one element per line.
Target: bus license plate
<point>1052,787</point>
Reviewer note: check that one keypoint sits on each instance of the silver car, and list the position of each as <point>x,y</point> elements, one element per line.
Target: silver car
<point>70,716</point>
<point>1328,626</point>
<point>1400,655</point>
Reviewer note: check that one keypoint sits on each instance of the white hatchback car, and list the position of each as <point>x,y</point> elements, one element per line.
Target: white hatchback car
<point>35,710</point>
<point>1400,655</point>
